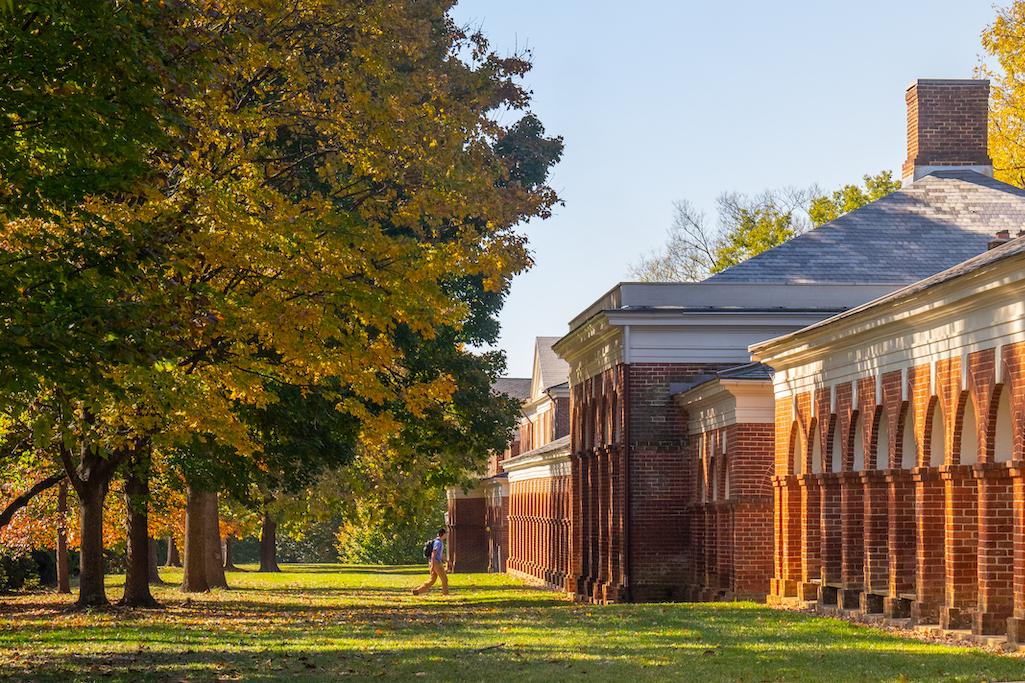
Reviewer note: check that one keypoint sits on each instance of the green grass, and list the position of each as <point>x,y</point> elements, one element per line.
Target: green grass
<point>321,622</point>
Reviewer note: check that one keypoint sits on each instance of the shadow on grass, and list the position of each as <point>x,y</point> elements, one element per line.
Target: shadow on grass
<point>502,657</point>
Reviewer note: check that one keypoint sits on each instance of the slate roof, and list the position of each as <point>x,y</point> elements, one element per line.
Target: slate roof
<point>514,387</point>
<point>927,226</point>
<point>553,370</point>
<point>758,372</point>
<point>1012,249</point>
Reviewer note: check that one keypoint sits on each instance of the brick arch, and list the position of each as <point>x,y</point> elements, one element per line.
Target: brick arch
<point>794,454</point>
<point>872,443</point>
<point>905,414</point>
<point>965,402</point>
<point>830,437</point>
<point>932,408</point>
<point>995,431</point>
<point>815,437</point>
<point>854,423</point>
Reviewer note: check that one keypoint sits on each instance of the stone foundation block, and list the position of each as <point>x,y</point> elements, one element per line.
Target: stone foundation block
<point>989,624</point>
<point>871,603</point>
<point>952,618</point>
<point>896,608</point>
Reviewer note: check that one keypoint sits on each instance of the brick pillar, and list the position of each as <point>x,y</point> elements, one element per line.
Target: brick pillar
<point>961,547</point>
<point>593,521</point>
<point>697,522</point>
<point>876,542</point>
<point>996,549</point>
<point>811,537</point>
<point>790,537</point>
<point>582,533</point>
<point>724,551</point>
<point>852,540</point>
<point>615,593</point>
<point>576,546</point>
<point>1016,622</point>
<point>930,548</point>
<point>830,548</point>
<point>602,573</point>
<point>900,542</point>
<point>703,550</point>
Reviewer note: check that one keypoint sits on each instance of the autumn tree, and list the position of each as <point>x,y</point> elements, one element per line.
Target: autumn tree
<point>746,226</point>
<point>330,170</point>
<point>825,208</point>
<point>1003,41</point>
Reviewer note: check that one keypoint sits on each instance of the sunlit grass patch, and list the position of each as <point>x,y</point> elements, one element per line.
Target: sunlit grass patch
<point>323,622</point>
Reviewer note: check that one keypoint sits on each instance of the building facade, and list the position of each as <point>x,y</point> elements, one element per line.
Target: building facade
<point>515,518</point>
<point>899,455</point>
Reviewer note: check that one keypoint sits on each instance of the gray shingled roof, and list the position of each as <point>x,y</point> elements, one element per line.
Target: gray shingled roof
<point>1013,249</point>
<point>514,387</point>
<point>757,372</point>
<point>554,370</point>
<point>932,224</point>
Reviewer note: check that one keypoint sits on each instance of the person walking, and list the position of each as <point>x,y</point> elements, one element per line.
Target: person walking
<point>437,566</point>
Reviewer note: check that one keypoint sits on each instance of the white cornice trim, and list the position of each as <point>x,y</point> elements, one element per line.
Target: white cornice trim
<point>725,402</point>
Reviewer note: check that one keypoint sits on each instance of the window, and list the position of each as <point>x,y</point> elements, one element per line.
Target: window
<point>836,448</point>
<point>937,436</point>
<point>816,449</point>
<point>859,444</point>
<point>883,441</point>
<point>909,445</point>
<point>1003,439</point>
<point>797,449</point>
<point>969,434</point>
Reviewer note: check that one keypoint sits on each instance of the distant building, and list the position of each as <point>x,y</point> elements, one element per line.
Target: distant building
<point>496,525</point>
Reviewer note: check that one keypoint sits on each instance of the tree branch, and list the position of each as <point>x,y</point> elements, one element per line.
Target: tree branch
<point>21,501</point>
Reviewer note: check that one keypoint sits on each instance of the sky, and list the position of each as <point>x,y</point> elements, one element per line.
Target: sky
<point>662,101</point>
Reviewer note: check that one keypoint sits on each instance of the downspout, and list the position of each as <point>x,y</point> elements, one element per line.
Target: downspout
<point>625,458</point>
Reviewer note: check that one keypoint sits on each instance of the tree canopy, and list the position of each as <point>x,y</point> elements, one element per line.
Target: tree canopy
<point>249,241</point>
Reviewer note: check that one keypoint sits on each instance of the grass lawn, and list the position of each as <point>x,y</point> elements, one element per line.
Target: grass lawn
<point>321,622</point>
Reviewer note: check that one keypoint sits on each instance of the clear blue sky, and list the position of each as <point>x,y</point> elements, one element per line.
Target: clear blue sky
<point>661,100</point>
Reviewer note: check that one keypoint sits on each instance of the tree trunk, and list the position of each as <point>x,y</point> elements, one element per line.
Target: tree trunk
<point>91,592</point>
<point>269,545</point>
<point>154,572</point>
<point>229,554</point>
<point>173,558</point>
<point>194,576</point>
<point>214,560</point>
<point>137,593</point>
<point>63,563</point>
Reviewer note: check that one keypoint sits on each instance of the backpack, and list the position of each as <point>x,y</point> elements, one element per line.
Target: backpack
<point>428,549</point>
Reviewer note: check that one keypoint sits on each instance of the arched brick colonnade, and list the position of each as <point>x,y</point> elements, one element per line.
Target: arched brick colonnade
<point>938,535</point>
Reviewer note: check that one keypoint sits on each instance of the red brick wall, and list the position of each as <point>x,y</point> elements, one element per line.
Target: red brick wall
<point>467,539</point>
<point>942,542</point>
<point>539,528</point>
<point>728,539</point>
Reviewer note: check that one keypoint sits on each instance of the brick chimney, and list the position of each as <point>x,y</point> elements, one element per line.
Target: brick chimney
<point>947,127</point>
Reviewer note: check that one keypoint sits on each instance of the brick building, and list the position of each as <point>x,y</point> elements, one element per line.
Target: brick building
<point>478,517</point>
<point>730,427</point>
<point>515,517</point>
<point>651,461</point>
<point>689,472</point>
<point>900,435</point>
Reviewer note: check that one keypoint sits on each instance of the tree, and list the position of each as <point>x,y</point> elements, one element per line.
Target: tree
<point>747,226</point>
<point>826,208</point>
<point>1004,41</point>
<point>313,178</point>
